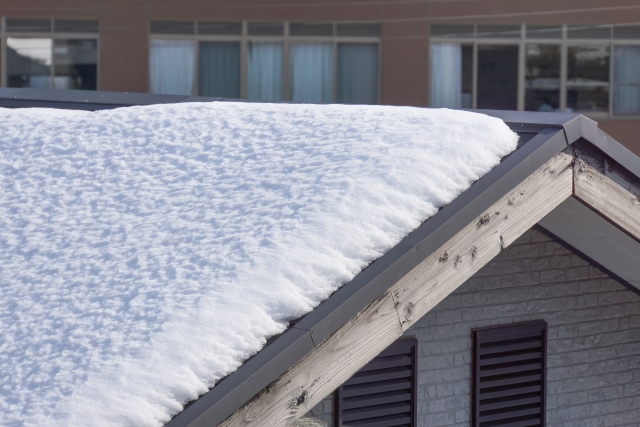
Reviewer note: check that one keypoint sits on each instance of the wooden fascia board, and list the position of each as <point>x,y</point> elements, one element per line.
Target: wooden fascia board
<point>374,328</point>
<point>607,188</point>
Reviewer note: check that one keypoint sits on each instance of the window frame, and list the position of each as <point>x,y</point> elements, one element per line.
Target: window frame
<point>286,39</point>
<point>564,42</point>
<point>5,34</point>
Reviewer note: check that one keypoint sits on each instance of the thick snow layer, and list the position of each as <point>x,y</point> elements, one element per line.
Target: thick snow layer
<point>145,252</point>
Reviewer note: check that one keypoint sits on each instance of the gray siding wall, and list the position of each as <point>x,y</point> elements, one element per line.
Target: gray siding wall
<point>594,338</point>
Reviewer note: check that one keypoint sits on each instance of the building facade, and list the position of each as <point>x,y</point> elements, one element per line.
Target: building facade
<point>532,55</point>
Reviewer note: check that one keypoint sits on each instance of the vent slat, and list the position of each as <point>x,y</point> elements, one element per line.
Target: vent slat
<point>377,399</point>
<point>18,25</point>
<point>509,348</point>
<point>220,28</point>
<point>376,411</point>
<point>75,26</point>
<point>310,29</point>
<point>592,32</point>
<point>382,393</point>
<point>511,403</point>
<point>381,375</point>
<point>509,370</point>
<point>358,30</point>
<point>265,28</point>
<point>509,373</point>
<point>510,381</point>
<point>509,357</point>
<point>398,420</point>
<point>510,391</point>
<point>374,388</point>
<point>387,362</point>
<point>173,27</point>
<point>509,414</point>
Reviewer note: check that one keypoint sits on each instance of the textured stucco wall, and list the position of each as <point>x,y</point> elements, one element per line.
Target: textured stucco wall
<point>593,349</point>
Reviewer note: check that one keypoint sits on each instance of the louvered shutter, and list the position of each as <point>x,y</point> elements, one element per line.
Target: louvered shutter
<point>509,375</point>
<point>383,393</point>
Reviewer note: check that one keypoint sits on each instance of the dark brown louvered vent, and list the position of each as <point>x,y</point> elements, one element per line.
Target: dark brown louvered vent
<point>626,32</point>
<point>265,28</point>
<point>28,25</point>
<point>499,31</point>
<point>173,27</point>
<point>358,30</point>
<point>544,32</point>
<point>220,28</point>
<point>74,26</point>
<point>311,29</point>
<point>383,393</point>
<point>595,32</point>
<point>509,375</point>
<point>455,31</point>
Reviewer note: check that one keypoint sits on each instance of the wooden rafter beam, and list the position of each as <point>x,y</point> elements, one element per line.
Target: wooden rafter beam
<point>341,355</point>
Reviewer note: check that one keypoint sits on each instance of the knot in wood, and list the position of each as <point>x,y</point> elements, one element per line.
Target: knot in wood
<point>408,310</point>
<point>474,253</point>
<point>444,257</point>
<point>457,261</point>
<point>484,220</point>
<point>301,399</point>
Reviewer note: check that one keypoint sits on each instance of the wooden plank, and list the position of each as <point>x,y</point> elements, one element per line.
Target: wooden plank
<point>478,243</point>
<point>610,194</point>
<point>356,343</point>
<point>332,363</point>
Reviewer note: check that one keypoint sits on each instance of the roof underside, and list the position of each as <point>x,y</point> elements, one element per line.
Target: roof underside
<point>542,136</point>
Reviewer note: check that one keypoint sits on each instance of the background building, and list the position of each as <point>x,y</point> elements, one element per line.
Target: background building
<point>563,55</point>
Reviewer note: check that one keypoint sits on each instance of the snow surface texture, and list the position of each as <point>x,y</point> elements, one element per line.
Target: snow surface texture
<point>145,252</point>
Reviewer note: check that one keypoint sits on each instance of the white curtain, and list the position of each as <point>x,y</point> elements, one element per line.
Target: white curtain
<point>446,75</point>
<point>311,72</point>
<point>171,66</point>
<point>626,80</point>
<point>264,72</point>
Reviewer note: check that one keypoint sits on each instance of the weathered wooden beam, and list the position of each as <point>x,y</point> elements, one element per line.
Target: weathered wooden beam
<point>478,243</point>
<point>351,347</point>
<point>606,188</point>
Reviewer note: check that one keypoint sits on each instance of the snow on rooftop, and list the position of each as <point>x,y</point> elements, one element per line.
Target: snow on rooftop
<point>146,252</point>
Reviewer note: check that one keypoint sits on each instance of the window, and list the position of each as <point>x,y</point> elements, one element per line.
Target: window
<point>383,392</point>
<point>451,75</point>
<point>357,73</point>
<point>264,71</point>
<point>553,68</point>
<point>266,61</point>
<point>509,375</point>
<point>588,78</point>
<point>171,63</point>
<point>498,77</point>
<point>626,80</point>
<point>542,85</point>
<point>219,69</point>
<point>57,54</point>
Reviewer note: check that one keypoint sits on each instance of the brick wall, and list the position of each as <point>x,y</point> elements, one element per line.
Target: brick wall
<point>593,338</point>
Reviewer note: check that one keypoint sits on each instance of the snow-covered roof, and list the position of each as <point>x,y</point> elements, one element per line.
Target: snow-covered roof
<point>146,252</point>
